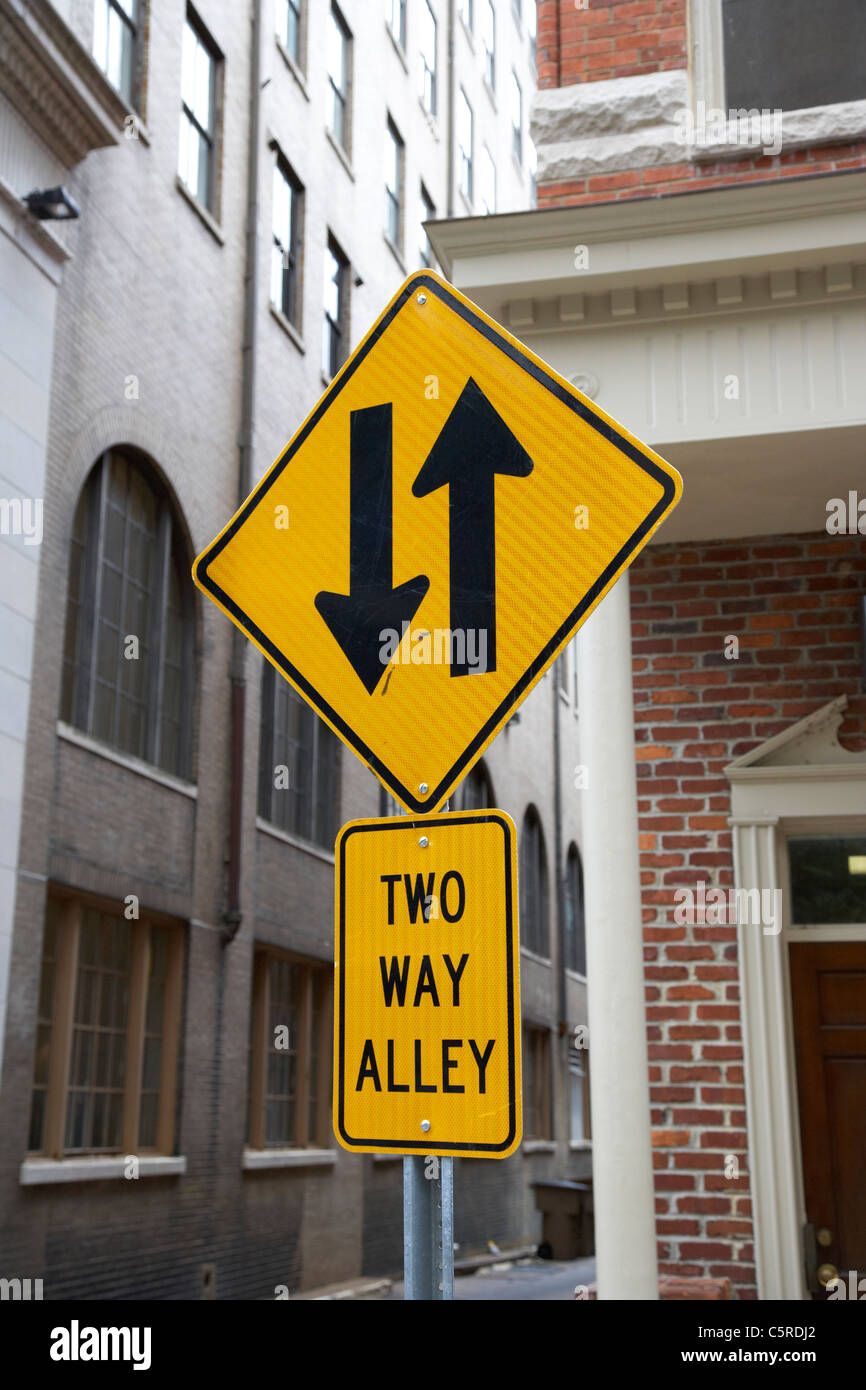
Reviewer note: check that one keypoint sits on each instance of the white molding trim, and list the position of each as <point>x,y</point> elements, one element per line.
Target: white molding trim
<point>34,1172</point>
<point>771,795</point>
<point>257,1159</point>
<point>306,845</point>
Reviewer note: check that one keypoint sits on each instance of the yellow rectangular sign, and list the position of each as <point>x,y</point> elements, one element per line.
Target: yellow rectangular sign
<point>427,995</point>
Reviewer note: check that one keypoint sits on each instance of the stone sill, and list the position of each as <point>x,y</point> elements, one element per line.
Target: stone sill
<point>580,1146</point>
<point>256,1159</point>
<point>538,1146</point>
<point>204,215</point>
<point>34,1172</point>
<point>306,846</point>
<point>287,326</point>
<point>132,764</point>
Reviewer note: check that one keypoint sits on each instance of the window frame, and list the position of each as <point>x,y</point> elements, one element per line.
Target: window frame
<point>539,946</point>
<point>394,197</point>
<point>319,790</point>
<point>134,25</point>
<point>296,8</point>
<point>466,11</point>
<point>337,330</point>
<point>466,162</point>
<point>211,137</point>
<point>516,129</point>
<point>398,34</point>
<point>341,96</point>
<point>316,1006</point>
<point>426,71</point>
<point>85,658</point>
<point>575,913</point>
<point>578,1065</point>
<point>291,287</point>
<point>489,53</point>
<point>485,209</point>
<point>537,1083</point>
<point>801,127</point>
<point>62,1024</point>
<point>426,257</point>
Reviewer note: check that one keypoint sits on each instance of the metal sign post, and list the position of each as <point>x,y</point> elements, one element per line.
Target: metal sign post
<point>428,1228</point>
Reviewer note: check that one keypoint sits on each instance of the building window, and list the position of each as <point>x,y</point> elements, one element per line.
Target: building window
<point>516,100</point>
<point>787,54</point>
<point>115,35</point>
<point>388,804</point>
<point>335,337</point>
<point>299,765</point>
<point>532,26</point>
<point>108,1023</point>
<point>486,182</point>
<point>393,186</point>
<point>828,879</point>
<point>286,249</point>
<point>578,1087</point>
<point>464,146</point>
<point>290,1053</point>
<point>426,213</point>
<point>289,27</point>
<point>128,661</point>
<point>395,18</point>
<point>428,58</point>
<point>536,1083</point>
<point>533,886</point>
<point>197,155</point>
<point>575,927</point>
<point>339,39</point>
<point>465,10</point>
<point>488,40</point>
<point>476,790</point>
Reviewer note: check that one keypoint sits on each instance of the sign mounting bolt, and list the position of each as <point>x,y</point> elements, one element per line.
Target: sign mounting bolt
<point>423,842</point>
<point>422,299</point>
<point>423,789</point>
<point>425,1125</point>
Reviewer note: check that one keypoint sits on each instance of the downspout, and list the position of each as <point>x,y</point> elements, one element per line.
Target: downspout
<point>246,442</point>
<point>452,98</point>
<point>562,981</point>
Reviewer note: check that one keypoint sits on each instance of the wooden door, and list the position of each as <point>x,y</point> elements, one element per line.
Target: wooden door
<point>828,982</point>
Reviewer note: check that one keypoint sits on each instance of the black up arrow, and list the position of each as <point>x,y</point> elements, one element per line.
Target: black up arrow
<point>473,446</point>
<point>358,619</point>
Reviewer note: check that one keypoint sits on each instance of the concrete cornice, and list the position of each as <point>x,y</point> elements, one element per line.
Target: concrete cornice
<point>54,83</point>
<point>638,241</point>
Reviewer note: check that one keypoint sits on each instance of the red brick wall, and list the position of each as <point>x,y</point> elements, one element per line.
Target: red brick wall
<point>610,38</point>
<point>623,38</point>
<point>794,604</point>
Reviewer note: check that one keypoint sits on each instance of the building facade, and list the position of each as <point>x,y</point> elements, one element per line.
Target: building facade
<point>698,270</point>
<point>168,844</point>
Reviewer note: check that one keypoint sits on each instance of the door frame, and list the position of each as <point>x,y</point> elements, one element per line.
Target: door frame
<point>801,781</point>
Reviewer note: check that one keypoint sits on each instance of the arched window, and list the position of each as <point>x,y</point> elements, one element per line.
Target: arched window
<point>299,764</point>
<point>476,791</point>
<point>575,930</point>
<point>129,655</point>
<point>532,875</point>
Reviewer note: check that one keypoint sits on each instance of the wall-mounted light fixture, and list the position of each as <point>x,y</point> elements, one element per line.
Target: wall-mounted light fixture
<point>52,205</point>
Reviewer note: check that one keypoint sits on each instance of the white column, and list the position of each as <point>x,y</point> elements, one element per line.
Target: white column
<point>625,1239</point>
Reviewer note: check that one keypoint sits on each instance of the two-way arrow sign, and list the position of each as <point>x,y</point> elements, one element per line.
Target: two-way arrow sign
<point>474,445</point>
<point>447,455</point>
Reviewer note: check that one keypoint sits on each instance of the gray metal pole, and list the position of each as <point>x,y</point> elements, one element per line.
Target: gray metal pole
<point>428,1228</point>
<point>428,1224</point>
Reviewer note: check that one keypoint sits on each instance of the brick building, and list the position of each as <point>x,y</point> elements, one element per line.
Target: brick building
<point>697,268</point>
<point>167,899</point>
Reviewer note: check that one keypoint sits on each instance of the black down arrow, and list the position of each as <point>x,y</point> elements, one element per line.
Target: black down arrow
<point>473,446</point>
<point>359,618</point>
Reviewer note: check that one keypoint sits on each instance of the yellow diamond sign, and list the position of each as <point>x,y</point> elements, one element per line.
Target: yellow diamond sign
<point>433,536</point>
<point>426,1000</point>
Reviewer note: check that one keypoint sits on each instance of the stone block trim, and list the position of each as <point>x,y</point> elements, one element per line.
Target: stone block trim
<point>793,603</point>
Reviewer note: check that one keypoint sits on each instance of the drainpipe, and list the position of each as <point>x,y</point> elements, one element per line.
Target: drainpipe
<point>246,441</point>
<point>562,983</point>
<point>452,98</point>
